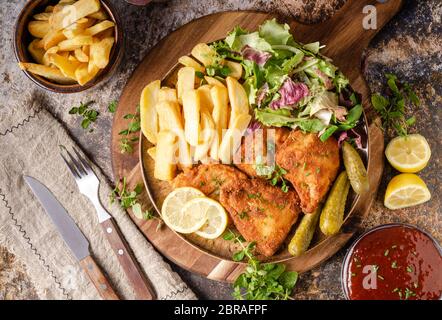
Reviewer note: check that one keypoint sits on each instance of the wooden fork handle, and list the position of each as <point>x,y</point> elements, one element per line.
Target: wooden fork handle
<point>135,275</point>
<point>98,279</point>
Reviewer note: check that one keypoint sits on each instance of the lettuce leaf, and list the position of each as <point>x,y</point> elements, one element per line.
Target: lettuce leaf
<point>275,33</point>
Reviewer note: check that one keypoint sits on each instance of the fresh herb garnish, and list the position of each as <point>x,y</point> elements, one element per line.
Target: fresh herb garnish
<point>394,265</point>
<point>409,293</point>
<point>127,141</point>
<point>262,281</point>
<point>112,107</point>
<point>89,115</point>
<point>128,199</point>
<point>410,269</point>
<point>273,173</point>
<point>386,252</point>
<point>391,107</point>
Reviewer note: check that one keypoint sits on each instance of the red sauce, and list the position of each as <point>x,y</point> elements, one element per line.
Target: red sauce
<point>396,262</point>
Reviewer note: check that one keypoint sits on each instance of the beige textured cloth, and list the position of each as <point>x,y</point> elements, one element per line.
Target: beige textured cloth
<point>29,140</point>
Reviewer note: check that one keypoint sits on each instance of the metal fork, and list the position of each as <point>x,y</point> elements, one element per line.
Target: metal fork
<point>88,184</point>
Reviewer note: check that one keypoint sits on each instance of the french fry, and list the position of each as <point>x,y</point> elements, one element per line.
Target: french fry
<point>50,73</point>
<point>99,27</point>
<point>75,43</point>
<point>108,33</point>
<point>100,52</point>
<point>232,138</point>
<point>71,57</point>
<point>71,13</point>
<point>46,60</point>
<point>80,55</point>
<point>214,82</point>
<point>99,15</point>
<point>83,75</point>
<point>168,94</point>
<point>36,53</point>
<point>235,69</point>
<point>206,98</point>
<point>237,96</point>
<point>49,9</point>
<point>220,116</point>
<point>148,111</point>
<point>203,53</point>
<point>189,62</point>
<point>44,16</point>
<point>38,29</point>
<point>169,115</point>
<point>86,50</point>
<point>191,111</point>
<point>78,28</point>
<point>152,152</point>
<point>185,82</point>
<point>51,39</point>
<point>165,166</point>
<point>206,136</point>
<point>170,119</point>
<point>66,67</point>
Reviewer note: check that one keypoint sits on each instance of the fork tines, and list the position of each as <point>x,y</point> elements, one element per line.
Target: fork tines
<point>77,164</point>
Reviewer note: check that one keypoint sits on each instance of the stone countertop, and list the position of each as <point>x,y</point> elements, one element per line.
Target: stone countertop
<point>409,46</point>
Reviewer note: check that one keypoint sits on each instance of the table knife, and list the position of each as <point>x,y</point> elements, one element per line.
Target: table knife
<point>73,237</point>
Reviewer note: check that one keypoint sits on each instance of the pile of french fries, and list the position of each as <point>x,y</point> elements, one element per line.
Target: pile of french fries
<point>73,41</point>
<point>197,121</point>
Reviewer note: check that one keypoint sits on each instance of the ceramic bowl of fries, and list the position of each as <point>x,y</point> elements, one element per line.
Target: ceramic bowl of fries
<point>68,46</point>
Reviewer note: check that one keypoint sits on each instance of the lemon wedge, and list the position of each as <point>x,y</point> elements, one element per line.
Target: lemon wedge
<point>406,190</point>
<point>409,154</point>
<point>183,221</point>
<point>216,215</point>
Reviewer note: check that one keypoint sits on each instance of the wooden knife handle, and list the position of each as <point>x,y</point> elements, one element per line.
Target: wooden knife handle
<point>139,282</point>
<point>98,279</point>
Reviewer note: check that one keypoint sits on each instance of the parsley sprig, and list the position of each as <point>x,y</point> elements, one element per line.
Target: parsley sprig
<point>260,281</point>
<point>127,140</point>
<point>128,199</point>
<point>89,115</point>
<point>392,106</point>
<point>274,174</point>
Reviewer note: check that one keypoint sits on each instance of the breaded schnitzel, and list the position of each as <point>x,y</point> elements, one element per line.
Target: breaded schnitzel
<point>262,213</point>
<point>311,165</point>
<point>208,178</point>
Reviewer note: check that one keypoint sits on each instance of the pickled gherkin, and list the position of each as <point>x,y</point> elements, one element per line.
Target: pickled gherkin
<point>304,233</point>
<point>355,168</point>
<point>332,215</point>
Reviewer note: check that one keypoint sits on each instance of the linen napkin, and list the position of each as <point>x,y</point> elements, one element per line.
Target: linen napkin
<point>29,140</point>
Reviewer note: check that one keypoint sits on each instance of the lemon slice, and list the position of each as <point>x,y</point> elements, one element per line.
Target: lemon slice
<point>408,154</point>
<point>175,217</point>
<point>406,190</point>
<point>216,221</point>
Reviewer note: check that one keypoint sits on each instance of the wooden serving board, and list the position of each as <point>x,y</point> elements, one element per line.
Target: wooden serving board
<point>345,41</point>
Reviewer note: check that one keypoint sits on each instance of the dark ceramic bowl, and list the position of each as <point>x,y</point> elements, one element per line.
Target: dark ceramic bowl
<point>22,38</point>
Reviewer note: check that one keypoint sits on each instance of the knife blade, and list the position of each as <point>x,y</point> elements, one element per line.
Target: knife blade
<point>72,236</point>
<point>65,225</point>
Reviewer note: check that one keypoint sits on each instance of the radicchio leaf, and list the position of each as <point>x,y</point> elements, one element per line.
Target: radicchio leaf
<point>344,136</point>
<point>291,93</point>
<point>261,94</point>
<point>259,57</point>
<point>325,79</point>
<point>253,126</point>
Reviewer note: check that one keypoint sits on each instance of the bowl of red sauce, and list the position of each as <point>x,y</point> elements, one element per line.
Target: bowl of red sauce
<point>393,262</point>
